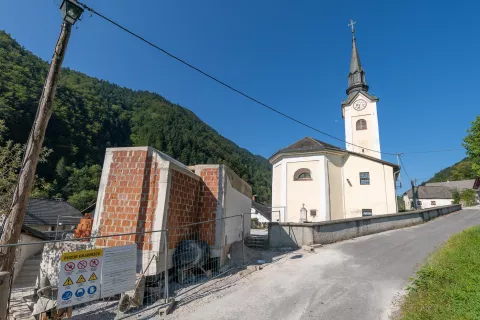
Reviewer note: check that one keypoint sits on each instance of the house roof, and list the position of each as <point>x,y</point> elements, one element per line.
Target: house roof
<point>431,192</point>
<point>47,211</point>
<point>262,209</point>
<point>36,233</point>
<point>32,232</point>
<point>460,184</point>
<point>309,144</point>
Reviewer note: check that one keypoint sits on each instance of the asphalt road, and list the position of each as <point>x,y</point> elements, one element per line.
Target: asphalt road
<point>355,279</point>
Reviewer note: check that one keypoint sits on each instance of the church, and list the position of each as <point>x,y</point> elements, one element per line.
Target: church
<point>315,181</point>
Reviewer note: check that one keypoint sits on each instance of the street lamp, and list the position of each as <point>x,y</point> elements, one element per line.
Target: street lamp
<point>71,11</point>
<point>303,213</point>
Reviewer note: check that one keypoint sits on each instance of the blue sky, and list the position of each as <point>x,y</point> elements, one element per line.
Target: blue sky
<point>421,59</point>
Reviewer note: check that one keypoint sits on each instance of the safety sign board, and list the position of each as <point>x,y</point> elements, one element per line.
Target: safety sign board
<point>93,274</point>
<point>75,268</point>
<point>118,270</point>
<point>81,279</point>
<point>94,263</point>
<point>67,295</point>
<point>80,292</point>
<point>82,264</point>
<point>68,282</point>
<point>92,289</point>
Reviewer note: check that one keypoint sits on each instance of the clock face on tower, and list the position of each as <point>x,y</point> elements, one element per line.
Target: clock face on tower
<point>359,104</point>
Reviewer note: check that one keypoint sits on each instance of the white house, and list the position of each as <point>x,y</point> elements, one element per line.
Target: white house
<point>459,185</point>
<point>334,183</point>
<point>428,197</point>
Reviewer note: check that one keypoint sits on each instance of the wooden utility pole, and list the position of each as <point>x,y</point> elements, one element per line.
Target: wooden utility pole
<point>14,221</point>
<point>413,194</point>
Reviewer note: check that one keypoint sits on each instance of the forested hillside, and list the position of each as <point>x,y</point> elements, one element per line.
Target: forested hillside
<point>91,115</point>
<point>461,170</point>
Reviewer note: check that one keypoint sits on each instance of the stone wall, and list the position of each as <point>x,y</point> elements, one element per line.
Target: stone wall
<point>298,234</point>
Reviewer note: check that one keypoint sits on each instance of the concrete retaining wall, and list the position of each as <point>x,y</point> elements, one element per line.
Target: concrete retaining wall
<point>284,234</point>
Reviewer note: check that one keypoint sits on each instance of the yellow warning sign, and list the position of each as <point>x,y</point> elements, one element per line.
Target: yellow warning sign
<point>93,277</point>
<point>78,255</point>
<point>81,279</point>
<point>68,282</point>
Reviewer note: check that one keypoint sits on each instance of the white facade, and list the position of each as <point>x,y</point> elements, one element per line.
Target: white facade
<point>333,183</point>
<point>362,108</point>
<point>334,190</point>
<point>426,203</point>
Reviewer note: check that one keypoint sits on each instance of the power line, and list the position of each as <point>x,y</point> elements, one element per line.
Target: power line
<point>221,82</point>
<point>237,90</point>
<point>433,151</point>
<point>403,166</point>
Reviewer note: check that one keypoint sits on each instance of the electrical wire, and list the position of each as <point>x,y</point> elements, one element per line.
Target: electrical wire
<point>91,10</point>
<point>433,151</point>
<point>403,166</point>
<point>221,82</point>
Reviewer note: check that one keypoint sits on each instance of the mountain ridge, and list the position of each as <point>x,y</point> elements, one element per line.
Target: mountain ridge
<point>91,115</point>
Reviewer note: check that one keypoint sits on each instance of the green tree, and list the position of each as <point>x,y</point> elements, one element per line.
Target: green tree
<point>400,204</point>
<point>90,115</point>
<point>457,196</point>
<point>82,185</point>
<point>10,162</point>
<point>469,196</point>
<point>472,144</point>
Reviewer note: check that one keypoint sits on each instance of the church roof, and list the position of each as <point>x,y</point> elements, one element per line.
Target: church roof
<point>356,77</point>
<point>309,144</point>
<point>354,94</point>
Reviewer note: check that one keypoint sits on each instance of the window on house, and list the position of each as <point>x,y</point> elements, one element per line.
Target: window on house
<point>364,178</point>
<point>302,174</point>
<point>366,212</point>
<point>362,124</point>
<point>433,203</point>
<point>313,212</point>
<point>419,203</point>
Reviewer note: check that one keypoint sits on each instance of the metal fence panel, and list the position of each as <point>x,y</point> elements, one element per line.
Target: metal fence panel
<point>170,263</point>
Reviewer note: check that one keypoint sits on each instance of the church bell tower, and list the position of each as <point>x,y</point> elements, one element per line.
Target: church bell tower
<point>360,109</point>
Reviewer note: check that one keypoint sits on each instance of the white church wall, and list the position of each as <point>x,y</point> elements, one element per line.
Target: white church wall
<point>314,194</point>
<point>277,193</point>
<point>335,164</point>
<point>306,192</point>
<point>379,195</point>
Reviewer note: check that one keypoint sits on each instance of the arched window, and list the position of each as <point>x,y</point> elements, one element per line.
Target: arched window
<point>362,124</point>
<point>302,174</point>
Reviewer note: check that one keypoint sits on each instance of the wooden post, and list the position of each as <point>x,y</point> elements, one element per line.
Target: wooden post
<point>13,224</point>
<point>413,195</point>
<point>4,294</point>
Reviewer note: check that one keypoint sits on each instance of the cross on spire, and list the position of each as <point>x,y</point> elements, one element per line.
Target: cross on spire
<point>352,25</point>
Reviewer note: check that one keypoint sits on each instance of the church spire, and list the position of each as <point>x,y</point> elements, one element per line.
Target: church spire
<point>356,78</point>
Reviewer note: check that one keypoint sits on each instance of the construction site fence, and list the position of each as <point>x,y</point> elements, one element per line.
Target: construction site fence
<point>170,264</point>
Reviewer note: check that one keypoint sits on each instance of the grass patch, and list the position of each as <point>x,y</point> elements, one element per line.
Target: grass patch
<point>448,285</point>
